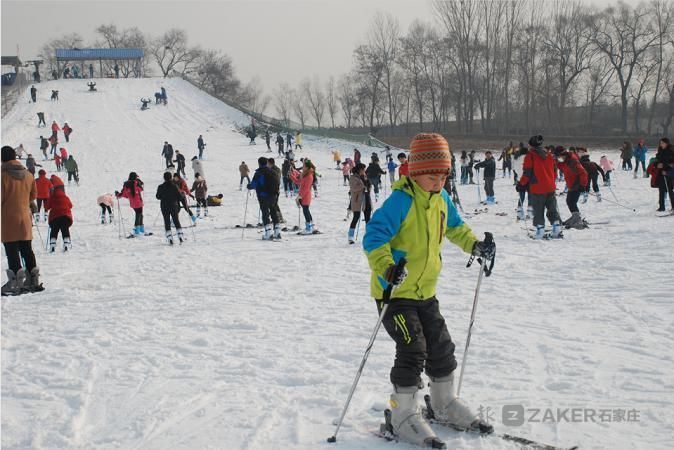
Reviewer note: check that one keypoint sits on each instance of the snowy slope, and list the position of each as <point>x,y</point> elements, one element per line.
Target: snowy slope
<point>231,343</point>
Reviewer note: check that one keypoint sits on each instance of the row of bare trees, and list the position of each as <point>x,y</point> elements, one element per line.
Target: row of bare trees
<point>504,66</point>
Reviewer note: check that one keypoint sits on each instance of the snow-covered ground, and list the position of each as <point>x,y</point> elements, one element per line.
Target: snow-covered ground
<point>234,343</point>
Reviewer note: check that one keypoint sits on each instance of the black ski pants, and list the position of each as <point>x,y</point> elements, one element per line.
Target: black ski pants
<point>572,201</point>
<point>542,202</point>
<point>664,190</point>
<point>17,250</point>
<point>269,209</point>
<point>307,214</point>
<point>422,340</point>
<point>61,224</point>
<point>138,221</point>
<point>105,208</point>
<point>171,213</point>
<point>489,186</point>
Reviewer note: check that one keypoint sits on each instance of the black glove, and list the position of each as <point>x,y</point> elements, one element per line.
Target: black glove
<point>521,187</point>
<point>484,249</point>
<point>394,276</point>
<point>116,193</point>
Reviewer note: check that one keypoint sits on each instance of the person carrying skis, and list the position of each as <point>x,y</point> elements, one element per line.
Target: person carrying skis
<point>305,180</point>
<point>66,131</point>
<point>106,202</point>
<point>200,189</point>
<point>167,153</point>
<point>359,190</point>
<point>538,178</point>
<point>43,185</point>
<point>413,223</point>
<point>200,147</point>
<point>170,197</point>
<point>608,167</point>
<point>33,94</point>
<point>60,214</point>
<point>184,193</point>
<point>266,185</point>
<point>133,190</point>
<point>593,171</point>
<point>71,167</point>
<point>576,182</point>
<point>41,121</point>
<point>489,166</point>
<point>244,172</point>
<point>18,194</point>
<point>374,173</point>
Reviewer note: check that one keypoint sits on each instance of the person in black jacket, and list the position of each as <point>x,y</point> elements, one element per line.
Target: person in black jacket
<point>374,173</point>
<point>279,143</point>
<point>593,170</point>
<point>266,184</point>
<point>167,153</point>
<point>489,165</point>
<point>170,198</point>
<point>267,139</point>
<point>180,159</point>
<point>33,94</point>
<point>663,171</point>
<point>201,146</point>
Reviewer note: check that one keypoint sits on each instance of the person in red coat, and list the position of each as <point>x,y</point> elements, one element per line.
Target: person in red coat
<point>184,193</point>
<point>538,178</point>
<point>53,140</point>
<point>57,160</point>
<point>55,128</point>
<point>43,185</point>
<point>60,214</point>
<point>404,169</point>
<point>66,131</point>
<point>576,182</point>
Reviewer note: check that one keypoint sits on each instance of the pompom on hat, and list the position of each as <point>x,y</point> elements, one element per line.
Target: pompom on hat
<point>429,153</point>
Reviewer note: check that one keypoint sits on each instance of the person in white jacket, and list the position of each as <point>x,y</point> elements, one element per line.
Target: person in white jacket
<point>197,166</point>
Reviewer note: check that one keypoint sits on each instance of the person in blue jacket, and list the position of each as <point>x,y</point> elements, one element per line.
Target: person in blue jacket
<point>640,158</point>
<point>266,184</point>
<point>391,166</point>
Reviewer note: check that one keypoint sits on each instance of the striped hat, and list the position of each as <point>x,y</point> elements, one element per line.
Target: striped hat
<point>429,153</point>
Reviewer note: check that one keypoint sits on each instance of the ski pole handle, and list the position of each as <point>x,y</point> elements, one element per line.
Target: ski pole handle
<point>400,266</point>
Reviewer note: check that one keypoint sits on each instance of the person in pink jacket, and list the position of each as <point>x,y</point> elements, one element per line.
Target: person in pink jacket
<point>346,171</point>
<point>106,201</point>
<point>133,189</point>
<point>607,165</point>
<point>305,180</point>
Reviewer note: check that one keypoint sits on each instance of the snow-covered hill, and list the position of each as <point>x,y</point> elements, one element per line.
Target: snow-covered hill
<point>231,343</point>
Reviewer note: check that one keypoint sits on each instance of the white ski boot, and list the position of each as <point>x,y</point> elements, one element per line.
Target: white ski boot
<point>598,196</point>
<point>406,421</point>
<point>169,237</point>
<point>556,230</point>
<point>267,232</point>
<point>67,245</point>
<point>540,232</point>
<point>181,235</point>
<point>277,232</point>
<point>520,213</point>
<point>448,409</point>
<point>309,228</point>
<point>52,245</point>
<point>352,235</point>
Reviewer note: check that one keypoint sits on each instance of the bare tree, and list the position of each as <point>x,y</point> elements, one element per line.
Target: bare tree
<point>298,101</point>
<point>644,72</point>
<point>347,99</point>
<point>127,38</point>
<point>283,102</point>
<point>67,41</point>
<point>411,59</point>
<point>569,47</point>
<point>253,97</point>
<point>383,39</point>
<point>370,70</point>
<point>661,11</point>
<point>171,52</point>
<point>331,99</point>
<point>513,12</point>
<point>623,34</point>
<point>214,73</point>
<point>599,78</point>
<point>313,93</point>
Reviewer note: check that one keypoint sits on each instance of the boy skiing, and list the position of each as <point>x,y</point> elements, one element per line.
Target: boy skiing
<point>266,185</point>
<point>413,223</point>
<point>489,166</point>
<point>170,197</point>
<point>43,185</point>
<point>200,189</point>
<point>60,214</point>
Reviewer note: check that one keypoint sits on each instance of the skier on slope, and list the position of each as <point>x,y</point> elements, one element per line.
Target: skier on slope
<point>201,146</point>
<point>200,189</point>
<point>404,169</point>
<point>67,130</point>
<point>538,178</point>
<point>518,170</point>
<point>71,167</point>
<point>374,173</point>
<point>391,167</point>
<point>279,143</point>
<point>43,185</point>
<point>60,214</point>
<point>608,167</point>
<point>593,171</point>
<point>31,164</point>
<point>267,140</point>
<point>413,223</point>
<point>133,190</point>
<point>289,140</point>
<point>266,185</point>
<point>169,197</point>
<point>33,93</point>
<point>167,153</point>
<point>106,202</point>
<point>184,192</point>
<point>360,202</point>
<point>197,166</point>
<point>44,145</point>
<point>41,121</point>
<point>576,181</point>
<point>180,160</point>
<point>298,140</point>
<point>489,165</point>
<point>305,181</point>
<point>662,173</point>
<point>55,128</point>
<point>244,173</point>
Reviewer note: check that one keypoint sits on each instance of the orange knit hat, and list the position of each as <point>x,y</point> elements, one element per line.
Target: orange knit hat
<point>429,153</point>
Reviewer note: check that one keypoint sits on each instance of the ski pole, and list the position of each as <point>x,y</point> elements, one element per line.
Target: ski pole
<point>479,196</point>
<point>245,212</point>
<point>400,266</point>
<point>39,233</point>
<point>488,237</point>
<point>361,216</point>
<point>46,247</point>
<point>615,203</point>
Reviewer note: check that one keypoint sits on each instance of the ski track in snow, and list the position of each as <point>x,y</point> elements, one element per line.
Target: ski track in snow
<point>226,343</point>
